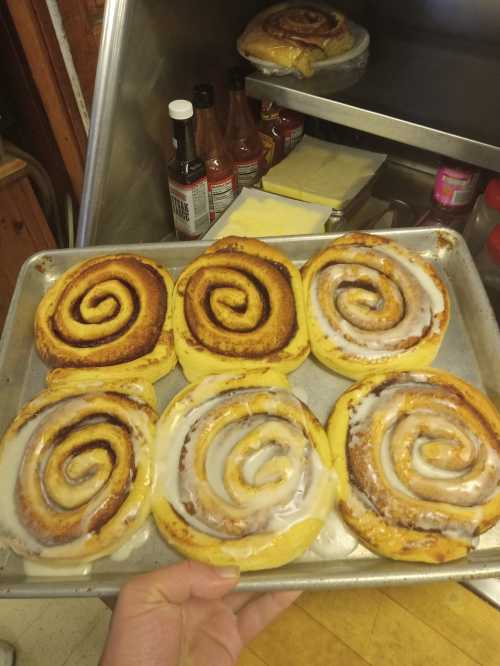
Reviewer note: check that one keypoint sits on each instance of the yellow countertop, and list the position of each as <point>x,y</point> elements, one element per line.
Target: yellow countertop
<point>440,624</point>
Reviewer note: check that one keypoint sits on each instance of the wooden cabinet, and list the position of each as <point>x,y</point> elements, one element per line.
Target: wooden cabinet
<point>23,228</point>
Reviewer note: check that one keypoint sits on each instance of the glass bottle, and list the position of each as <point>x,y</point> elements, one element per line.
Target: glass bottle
<point>241,134</point>
<point>212,149</point>
<point>187,178</point>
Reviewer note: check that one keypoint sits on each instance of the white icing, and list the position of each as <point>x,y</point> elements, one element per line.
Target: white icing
<point>380,344</point>
<point>186,418</point>
<point>477,489</point>
<point>135,542</point>
<point>334,542</point>
<point>422,276</point>
<point>12,532</point>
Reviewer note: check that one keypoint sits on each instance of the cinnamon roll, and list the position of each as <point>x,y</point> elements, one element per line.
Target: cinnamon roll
<point>242,472</point>
<point>108,317</point>
<point>418,459</point>
<point>373,306</point>
<point>75,471</point>
<point>296,36</point>
<point>239,306</point>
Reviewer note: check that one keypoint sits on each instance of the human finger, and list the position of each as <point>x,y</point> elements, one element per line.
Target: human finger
<point>178,582</point>
<point>257,614</point>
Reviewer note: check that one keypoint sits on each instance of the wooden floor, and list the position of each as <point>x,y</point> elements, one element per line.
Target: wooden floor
<point>442,624</point>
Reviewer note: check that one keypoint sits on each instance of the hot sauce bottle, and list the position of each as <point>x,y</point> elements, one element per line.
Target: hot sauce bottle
<point>212,149</point>
<point>187,178</point>
<point>271,133</point>
<point>241,134</point>
<point>292,128</point>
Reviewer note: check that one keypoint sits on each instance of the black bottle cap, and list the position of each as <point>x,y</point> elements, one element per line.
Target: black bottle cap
<point>236,79</point>
<point>203,96</point>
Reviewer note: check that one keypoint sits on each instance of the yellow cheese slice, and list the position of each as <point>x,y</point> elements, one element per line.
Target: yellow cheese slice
<point>322,172</point>
<point>261,216</point>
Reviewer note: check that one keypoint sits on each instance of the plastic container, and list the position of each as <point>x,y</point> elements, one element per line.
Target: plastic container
<point>454,192</point>
<point>484,217</point>
<point>488,260</point>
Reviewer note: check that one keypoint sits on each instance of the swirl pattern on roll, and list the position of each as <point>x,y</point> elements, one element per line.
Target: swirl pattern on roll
<point>106,311</point>
<point>371,300</point>
<point>76,472</point>
<point>306,24</point>
<point>236,460</point>
<point>240,301</point>
<point>423,454</point>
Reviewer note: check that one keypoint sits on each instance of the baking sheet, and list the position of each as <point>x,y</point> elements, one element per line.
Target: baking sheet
<point>470,350</point>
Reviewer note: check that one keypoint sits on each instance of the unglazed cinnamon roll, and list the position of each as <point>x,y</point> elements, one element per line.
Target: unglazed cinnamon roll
<point>242,472</point>
<point>109,317</point>
<point>239,306</point>
<point>295,36</point>
<point>418,460</point>
<point>373,306</point>
<point>75,471</point>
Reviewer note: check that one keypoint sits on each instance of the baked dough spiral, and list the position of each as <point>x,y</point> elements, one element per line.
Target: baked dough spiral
<point>239,305</point>
<point>373,306</point>
<point>295,36</point>
<point>75,471</point>
<point>418,459</point>
<point>108,317</point>
<point>242,472</point>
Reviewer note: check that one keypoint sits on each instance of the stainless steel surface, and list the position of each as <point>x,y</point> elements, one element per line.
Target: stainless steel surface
<point>152,51</point>
<point>466,351</point>
<point>301,96</point>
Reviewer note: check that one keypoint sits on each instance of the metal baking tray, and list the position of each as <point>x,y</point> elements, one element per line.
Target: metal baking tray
<point>470,350</point>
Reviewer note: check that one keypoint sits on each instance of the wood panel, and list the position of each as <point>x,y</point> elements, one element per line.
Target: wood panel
<point>82,20</point>
<point>34,28</point>
<point>31,130</point>
<point>441,624</point>
<point>23,230</point>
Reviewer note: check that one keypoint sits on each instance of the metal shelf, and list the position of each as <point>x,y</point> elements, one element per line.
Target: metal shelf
<point>433,95</point>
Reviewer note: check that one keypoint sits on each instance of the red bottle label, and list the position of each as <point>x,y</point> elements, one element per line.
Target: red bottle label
<point>221,194</point>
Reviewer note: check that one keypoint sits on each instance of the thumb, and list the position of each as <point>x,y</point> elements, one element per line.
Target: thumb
<point>178,582</point>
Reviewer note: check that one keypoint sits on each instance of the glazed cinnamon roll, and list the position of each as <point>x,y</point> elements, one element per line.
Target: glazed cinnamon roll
<point>242,472</point>
<point>295,36</point>
<point>418,460</point>
<point>75,471</point>
<point>108,317</point>
<point>239,306</point>
<point>373,306</point>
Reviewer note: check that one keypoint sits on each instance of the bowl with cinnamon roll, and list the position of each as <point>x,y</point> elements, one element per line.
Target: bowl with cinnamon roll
<point>303,39</point>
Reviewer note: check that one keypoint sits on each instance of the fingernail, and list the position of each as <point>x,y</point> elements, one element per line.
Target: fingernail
<point>228,572</point>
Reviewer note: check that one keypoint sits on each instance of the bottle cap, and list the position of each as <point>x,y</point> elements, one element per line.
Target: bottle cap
<point>493,244</point>
<point>203,96</point>
<point>492,193</point>
<point>180,109</point>
<point>236,79</point>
